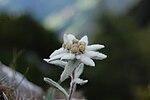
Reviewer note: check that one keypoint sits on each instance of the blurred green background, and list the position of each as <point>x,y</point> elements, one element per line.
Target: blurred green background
<point>32,32</point>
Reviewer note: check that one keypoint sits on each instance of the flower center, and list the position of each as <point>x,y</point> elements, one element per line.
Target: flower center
<point>75,47</point>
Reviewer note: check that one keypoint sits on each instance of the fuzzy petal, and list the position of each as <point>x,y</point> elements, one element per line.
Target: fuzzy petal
<point>79,70</point>
<point>86,60</point>
<point>100,56</point>
<point>80,81</point>
<point>70,66</point>
<point>59,63</point>
<point>84,39</point>
<point>47,60</point>
<point>58,51</point>
<point>57,57</point>
<point>70,38</point>
<point>78,56</point>
<point>95,55</point>
<point>94,47</point>
<point>69,56</point>
<point>65,38</point>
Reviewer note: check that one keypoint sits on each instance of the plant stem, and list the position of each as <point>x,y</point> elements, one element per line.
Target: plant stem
<point>72,86</point>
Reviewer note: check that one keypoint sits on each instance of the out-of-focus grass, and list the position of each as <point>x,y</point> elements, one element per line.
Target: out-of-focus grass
<point>143,93</point>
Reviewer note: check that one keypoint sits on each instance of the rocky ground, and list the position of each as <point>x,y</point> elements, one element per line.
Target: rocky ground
<point>14,86</point>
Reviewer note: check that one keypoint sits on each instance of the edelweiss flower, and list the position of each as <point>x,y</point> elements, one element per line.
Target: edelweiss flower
<point>74,52</point>
<point>77,49</point>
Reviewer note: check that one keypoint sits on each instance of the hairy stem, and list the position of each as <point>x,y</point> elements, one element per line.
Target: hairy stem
<point>72,86</point>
